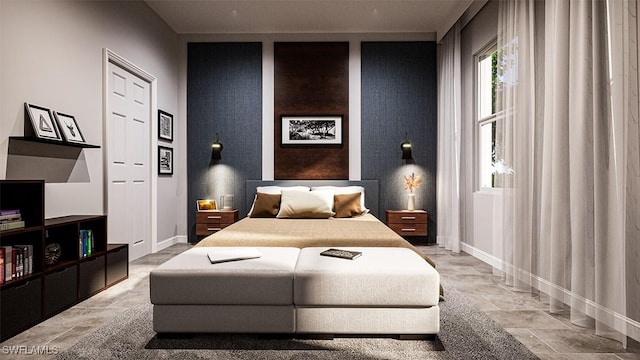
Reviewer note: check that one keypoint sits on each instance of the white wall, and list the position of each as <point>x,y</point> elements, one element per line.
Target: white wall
<point>51,54</point>
<point>479,206</point>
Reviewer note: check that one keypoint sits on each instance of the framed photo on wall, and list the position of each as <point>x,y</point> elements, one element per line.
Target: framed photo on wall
<point>165,126</point>
<point>69,128</point>
<point>311,130</point>
<point>165,160</point>
<point>42,122</point>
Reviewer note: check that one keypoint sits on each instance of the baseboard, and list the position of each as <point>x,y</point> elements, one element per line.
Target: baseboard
<point>171,241</point>
<point>622,323</point>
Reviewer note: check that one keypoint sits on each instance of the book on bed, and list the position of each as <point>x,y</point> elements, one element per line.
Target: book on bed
<point>220,256</point>
<point>343,254</point>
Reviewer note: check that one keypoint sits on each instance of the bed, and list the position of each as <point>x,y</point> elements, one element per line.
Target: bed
<point>292,289</point>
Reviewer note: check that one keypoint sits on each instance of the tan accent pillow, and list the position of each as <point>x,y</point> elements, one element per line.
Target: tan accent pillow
<point>266,205</point>
<point>347,205</point>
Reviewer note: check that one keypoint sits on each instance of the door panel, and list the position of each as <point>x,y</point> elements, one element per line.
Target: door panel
<point>128,139</point>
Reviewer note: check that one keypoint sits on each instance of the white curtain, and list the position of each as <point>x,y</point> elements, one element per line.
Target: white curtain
<point>567,204</point>
<point>449,113</point>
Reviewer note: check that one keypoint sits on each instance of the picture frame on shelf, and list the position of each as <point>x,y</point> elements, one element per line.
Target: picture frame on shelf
<point>69,128</point>
<point>165,160</point>
<point>311,130</point>
<point>206,205</point>
<point>43,125</point>
<point>165,126</point>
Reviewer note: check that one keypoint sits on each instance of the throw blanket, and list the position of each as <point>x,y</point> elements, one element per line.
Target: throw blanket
<point>365,231</point>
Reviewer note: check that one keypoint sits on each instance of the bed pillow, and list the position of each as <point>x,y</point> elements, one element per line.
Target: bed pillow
<point>265,205</point>
<point>272,189</point>
<point>306,204</point>
<point>347,205</point>
<point>341,190</point>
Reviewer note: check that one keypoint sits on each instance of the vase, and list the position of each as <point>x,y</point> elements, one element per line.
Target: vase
<point>411,205</point>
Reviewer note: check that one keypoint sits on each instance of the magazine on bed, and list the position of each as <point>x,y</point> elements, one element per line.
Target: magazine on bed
<point>343,254</point>
<point>220,256</point>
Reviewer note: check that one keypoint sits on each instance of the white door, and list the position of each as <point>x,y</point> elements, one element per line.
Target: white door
<point>128,138</point>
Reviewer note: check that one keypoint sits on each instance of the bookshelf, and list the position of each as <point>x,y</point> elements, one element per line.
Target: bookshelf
<point>52,287</point>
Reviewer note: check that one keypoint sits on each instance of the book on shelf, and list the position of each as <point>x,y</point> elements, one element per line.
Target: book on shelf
<point>1,265</point>
<point>10,218</point>
<point>8,265</point>
<point>343,254</point>
<point>28,258</point>
<point>86,246</point>
<point>9,212</point>
<point>12,225</point>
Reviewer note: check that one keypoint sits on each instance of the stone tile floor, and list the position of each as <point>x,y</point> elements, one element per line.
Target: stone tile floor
<point>549,336</point>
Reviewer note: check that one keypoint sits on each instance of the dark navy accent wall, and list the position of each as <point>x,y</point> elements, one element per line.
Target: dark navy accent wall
<point>399,95</point>
<point>224,95</point>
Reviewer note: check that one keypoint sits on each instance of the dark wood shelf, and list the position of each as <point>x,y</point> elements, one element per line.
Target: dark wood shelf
<point>49,289</point>
<point>54,142</point>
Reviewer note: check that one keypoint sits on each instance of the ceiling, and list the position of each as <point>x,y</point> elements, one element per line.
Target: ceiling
<point>309,16</point>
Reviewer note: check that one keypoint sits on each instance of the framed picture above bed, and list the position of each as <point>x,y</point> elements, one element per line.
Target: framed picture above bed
<point>311,130</point>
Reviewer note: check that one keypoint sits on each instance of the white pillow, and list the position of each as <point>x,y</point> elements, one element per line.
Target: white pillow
<point>341,190</point>
<point>306,204</point>
<point>273,190</point>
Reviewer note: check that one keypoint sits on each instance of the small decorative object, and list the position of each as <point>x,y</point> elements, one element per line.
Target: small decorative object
<point>69,127</point>
<point>165,126</point>
<point>206,205</point>
<point>165,160</point>
<point>42,124</point>
<point>311,130</point>
<point>411,183</point>
<point>226,202</point>
<point>52,253</point>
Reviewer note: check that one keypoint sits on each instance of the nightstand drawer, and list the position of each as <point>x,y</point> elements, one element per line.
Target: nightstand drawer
<point>208,229</point>
<point>407,217</point>
<point>410,229</point>
<point>216,217</point>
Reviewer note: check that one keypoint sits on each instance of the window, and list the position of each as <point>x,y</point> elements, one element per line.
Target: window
<point>488,114</point>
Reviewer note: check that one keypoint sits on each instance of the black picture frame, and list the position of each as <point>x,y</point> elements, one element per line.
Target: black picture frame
<point>321,130</point>
<point>43,124</point>
<point>165,160</point>
<point>165,126</point>
<point>69,128</point>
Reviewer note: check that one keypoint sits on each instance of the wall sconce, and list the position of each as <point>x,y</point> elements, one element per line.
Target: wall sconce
<point>406,149</point>
<point>216,149</point>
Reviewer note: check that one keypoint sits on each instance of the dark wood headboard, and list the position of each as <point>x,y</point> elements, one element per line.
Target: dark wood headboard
<point>370,188</point>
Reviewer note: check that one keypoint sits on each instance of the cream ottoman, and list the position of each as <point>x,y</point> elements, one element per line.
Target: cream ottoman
<point>190,294</point>
<point>384,291</point>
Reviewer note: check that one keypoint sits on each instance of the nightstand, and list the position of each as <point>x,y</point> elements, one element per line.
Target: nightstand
<point>408,222</point>
<point>208,222</point>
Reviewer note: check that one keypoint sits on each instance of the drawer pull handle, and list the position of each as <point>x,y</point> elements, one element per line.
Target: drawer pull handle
<point>408,218</point>
<point>408,230</point>
<point>214,217</point>
<point>25,284</point>
<point>214,229</point>
<point>63,271</point>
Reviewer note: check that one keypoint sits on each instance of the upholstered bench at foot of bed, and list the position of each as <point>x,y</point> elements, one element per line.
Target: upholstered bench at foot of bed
<point>192,295</point>
<point>390,291</point>
<point>384,291</point>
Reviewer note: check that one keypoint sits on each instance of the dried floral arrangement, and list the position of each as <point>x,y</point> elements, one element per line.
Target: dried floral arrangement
<point>412,182</point>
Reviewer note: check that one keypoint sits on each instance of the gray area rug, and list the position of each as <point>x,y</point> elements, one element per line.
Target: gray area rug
<point>465,333</point>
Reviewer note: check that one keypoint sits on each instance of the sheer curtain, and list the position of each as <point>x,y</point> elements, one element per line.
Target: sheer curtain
<point>449,113</point>
<point>567,203</point>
